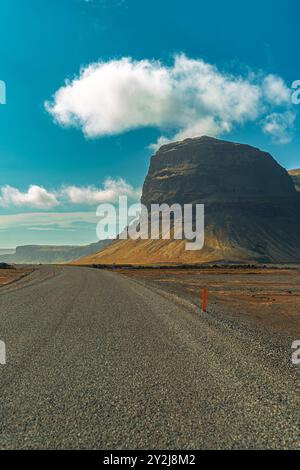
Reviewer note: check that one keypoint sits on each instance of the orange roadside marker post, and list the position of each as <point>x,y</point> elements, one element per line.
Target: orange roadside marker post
<point>204,300</point>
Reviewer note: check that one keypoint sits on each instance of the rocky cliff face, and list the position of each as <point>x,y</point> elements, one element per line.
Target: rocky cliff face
<point>206,170</point>
<point>252,210</point>
<point>295,175</point>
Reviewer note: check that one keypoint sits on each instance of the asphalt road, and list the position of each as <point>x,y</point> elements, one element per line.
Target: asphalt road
<point>99,361</point>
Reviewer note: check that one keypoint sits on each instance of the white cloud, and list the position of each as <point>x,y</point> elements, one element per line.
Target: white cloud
<point>50,229</point>
<point>276,91</point>
<point>47,220</point>
<point>40,198</point>
<point>35,196</point>
<point>113,97</point>
<point>110,192</point>
<point>188,99</point>
<point>280,126</point>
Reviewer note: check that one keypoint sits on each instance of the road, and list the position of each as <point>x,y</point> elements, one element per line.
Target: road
<point>99,361</point>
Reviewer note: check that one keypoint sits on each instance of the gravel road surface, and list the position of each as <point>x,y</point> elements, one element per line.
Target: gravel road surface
<point>99,361</point>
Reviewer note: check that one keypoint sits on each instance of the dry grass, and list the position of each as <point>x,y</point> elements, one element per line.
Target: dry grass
<point>7,276</point>
<point>270,297</point>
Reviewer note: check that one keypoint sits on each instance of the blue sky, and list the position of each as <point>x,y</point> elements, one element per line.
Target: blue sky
<point>152,61</point>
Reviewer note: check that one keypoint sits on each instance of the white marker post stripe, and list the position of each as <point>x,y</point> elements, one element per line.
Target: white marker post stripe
<point>2,353</point>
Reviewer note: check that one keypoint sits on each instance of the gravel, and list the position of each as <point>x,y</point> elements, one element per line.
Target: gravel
<point>99,361</point>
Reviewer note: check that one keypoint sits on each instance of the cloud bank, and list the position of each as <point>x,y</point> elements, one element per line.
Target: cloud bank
<point>110,192</point>
<point>46,221</point>
<point>40,198</point>
<point>188,99</point>
<point>35,196</point>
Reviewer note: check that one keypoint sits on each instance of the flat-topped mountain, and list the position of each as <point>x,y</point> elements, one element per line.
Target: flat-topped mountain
<point>209,170</point>
<point>252,209</point>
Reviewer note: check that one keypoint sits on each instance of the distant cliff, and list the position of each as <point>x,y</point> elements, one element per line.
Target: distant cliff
<point>35,254</point>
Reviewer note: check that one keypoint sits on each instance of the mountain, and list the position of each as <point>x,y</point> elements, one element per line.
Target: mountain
<point>251,206</point>
<point>210,171</point>
<point>35,254</point>
<point>295,175</point>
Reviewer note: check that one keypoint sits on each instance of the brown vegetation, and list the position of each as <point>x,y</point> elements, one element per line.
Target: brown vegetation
<point>7,276</point>
<point>269,297</point>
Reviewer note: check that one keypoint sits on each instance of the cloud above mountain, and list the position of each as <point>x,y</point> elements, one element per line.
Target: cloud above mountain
<point>279,126</point>
<point>187,99</point>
